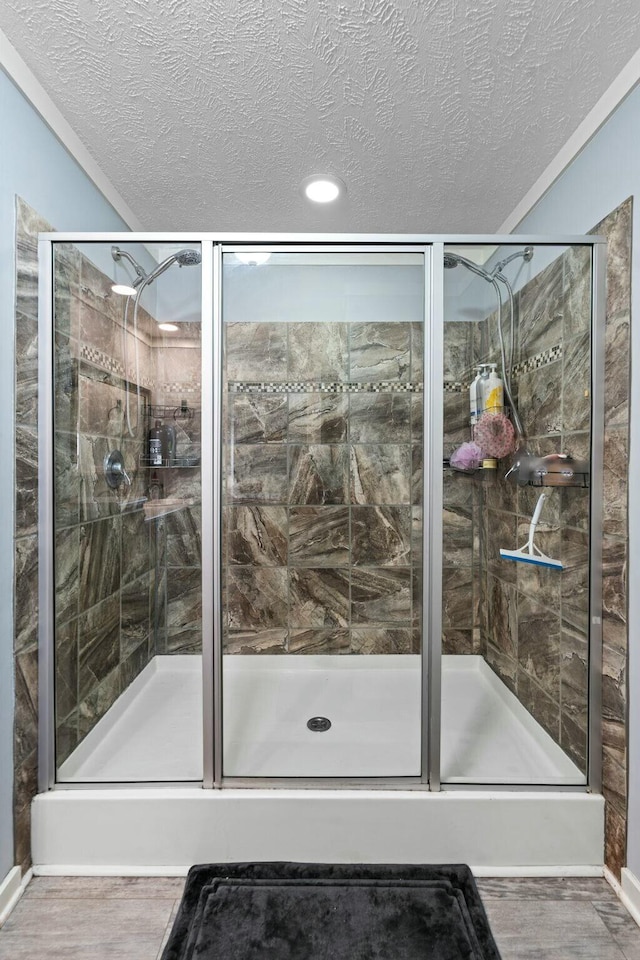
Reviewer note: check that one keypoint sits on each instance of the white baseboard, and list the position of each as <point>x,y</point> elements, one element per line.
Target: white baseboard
<point>11,889</point>
<point>630,893</point>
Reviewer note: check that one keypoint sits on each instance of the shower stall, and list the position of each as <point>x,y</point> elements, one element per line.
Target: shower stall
<point>276,537</point>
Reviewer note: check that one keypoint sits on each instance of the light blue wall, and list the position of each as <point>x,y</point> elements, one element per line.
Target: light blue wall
<point>34,165</point>
<point>599,179</point>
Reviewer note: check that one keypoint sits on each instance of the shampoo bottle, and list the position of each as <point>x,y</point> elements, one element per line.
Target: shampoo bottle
<point>474,397</point>
<point>155,445</point>
<point>493,392</point>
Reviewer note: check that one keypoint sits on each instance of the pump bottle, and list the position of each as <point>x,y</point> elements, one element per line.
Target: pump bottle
<point>493,392</point>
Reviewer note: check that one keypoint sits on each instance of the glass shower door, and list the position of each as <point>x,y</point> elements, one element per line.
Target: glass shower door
<point>322,513</point>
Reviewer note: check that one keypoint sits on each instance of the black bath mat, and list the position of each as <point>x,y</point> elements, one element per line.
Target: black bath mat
<point>307,911</point>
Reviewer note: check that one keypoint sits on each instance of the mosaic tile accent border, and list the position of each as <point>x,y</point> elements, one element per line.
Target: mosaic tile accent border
<point>102,360</point>
<point>317,386</point>
<point>550,355</point>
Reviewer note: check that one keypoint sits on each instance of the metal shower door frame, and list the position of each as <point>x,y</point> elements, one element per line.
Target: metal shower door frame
<point>211,245</point>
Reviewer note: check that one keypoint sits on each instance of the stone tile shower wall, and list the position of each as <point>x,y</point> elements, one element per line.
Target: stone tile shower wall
<point>534,620</point>
<point>104,562</point>
<point>322,523</point>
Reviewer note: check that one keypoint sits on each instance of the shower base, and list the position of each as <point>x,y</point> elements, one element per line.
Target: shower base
<point>154,731</point>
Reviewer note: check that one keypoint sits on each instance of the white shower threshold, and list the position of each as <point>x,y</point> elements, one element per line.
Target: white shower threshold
<point>155,728</point>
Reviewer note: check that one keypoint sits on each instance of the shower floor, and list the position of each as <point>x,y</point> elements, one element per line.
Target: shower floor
<point>154,731</point>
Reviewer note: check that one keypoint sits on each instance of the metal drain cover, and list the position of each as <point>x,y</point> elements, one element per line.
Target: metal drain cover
<point>319,724</point>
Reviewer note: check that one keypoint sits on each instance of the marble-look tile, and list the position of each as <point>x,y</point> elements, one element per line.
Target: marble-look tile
<point>457,642</point>
<point>615,482</point>
<point>256,351</point>
<point>326,642</point>
<point>455,421</point>
<point>577,291</point>
<point>573,502</point>
<point>66,738</point>
<point>318,351</point>
<point>540,400</point>
<point>26,479</point>
<point>539,644</point>
<point>66,480</point>
<point>614,574</point>
<point>503,534</point>
<point>574,553</point>
<point>319,536</point>
<point>383,640</point>
<point>499,493</point>
<point>503,617</point>
<point>615,839</point>
<point>255,641</point>
<point>417,595</point>
<point>417,477</point>
<point>380,596</point>
<point>257,418</point>
<point>319,598</point>
<point>66,660</point>
<point>380,473</point>
<point>256,597</point>
<point>614,738</point>
<point>504,666</point>
<point>614,683</point>
<point>99,565</point>
<point>616,370</point>
<point>573,740</point>
<point>576,383</point>
<point>67,566</point>
<point>184,600</point>
<point>541,303</point>
<point>98,644</point>
<point>26,705</point>
<point>100,699</point>
<point>614,783</point>
<point>26,593</point>
<point>66,281</point>
<point>417,416</point>
<point>417,534</point>
<point>136,545</point>
<point>135,623</point>
<point>380,536</point>
<point>318,418</point>
<point>257,535</point>
<point>574,673</point>
<point>458,338</point>
<point>457,612</point>
<point>26,365</point>
<point>380,351</point>
<point>258,474</point>
<point>617,228</point>
<point>134,665</point>
<point>417,352</point>
<point>542,707</point>
<point>101,405</point>
<point>184,539</point>
<point>318,473</point>
<point>380,418</point>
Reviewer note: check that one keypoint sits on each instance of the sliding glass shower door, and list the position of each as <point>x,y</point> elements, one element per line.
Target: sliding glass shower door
<point>322,513</point>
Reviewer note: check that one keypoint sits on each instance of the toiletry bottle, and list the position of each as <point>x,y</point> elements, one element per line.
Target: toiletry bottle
<point>168,444</point>
<point>155,445</point>
<point>474,397</point>
<point>493,392</point>
<point>484,376</point>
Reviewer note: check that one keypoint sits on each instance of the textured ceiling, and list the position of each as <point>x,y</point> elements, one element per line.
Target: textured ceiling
<point>438,114</point>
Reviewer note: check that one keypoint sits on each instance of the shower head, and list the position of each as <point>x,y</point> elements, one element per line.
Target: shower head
<point>450,261</point>
<point>184,258</point>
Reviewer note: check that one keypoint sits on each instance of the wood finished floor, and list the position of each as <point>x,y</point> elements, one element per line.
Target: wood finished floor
<point>68,918</point>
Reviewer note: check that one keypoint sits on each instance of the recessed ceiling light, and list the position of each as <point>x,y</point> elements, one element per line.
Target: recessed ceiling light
<point>323,188</point>
<point>253,257</point>
<point>170,327</point>
<point>124,289</point>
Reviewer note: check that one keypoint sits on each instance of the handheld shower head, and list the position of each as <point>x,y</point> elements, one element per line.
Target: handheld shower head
<point>184,258</point>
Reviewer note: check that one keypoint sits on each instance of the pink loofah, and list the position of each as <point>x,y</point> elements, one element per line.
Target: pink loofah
<point>495,434</point>
<point>468,456</point>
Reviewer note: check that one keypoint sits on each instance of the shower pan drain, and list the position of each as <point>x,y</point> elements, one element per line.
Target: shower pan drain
<point>318,724</point>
